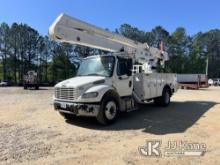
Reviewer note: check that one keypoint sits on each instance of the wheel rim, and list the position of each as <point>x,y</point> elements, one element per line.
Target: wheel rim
<point>167,97</point>
<point>110,110</point>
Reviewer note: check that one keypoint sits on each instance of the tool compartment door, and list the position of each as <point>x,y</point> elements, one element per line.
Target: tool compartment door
<point>153,85</point>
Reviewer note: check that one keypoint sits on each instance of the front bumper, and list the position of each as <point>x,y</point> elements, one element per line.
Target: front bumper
<point>78,109</point>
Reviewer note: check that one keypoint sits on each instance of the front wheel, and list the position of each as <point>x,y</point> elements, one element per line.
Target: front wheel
<point>108,111</point>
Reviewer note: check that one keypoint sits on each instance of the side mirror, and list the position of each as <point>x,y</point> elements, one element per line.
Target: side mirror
<point>129,73</point>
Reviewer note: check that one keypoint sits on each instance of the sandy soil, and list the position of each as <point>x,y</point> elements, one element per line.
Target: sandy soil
<point>31,132</point>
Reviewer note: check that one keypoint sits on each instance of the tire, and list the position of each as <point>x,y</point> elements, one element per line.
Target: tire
<point>157,100</point>
<point>36,87</point>
<point>164,100</point>
<point>25,87</point>
<point>67,116</point>
<point>108,111</point>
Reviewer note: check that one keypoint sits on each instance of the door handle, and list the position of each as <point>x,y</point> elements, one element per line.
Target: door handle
<point>122,78</point>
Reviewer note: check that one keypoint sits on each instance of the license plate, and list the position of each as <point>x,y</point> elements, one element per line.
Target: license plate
<point>63,105</point>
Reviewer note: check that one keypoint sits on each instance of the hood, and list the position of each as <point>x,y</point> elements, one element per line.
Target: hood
<point>79,81</point>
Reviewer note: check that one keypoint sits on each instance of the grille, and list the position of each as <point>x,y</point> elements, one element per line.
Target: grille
<point>65,93</point>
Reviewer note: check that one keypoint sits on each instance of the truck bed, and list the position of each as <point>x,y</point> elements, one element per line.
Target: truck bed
<point>148,86</point>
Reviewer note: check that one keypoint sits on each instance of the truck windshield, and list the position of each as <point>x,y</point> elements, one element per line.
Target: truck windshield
<point>97,66</point>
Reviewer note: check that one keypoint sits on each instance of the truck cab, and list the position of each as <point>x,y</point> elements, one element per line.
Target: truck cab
<point>97,77</point>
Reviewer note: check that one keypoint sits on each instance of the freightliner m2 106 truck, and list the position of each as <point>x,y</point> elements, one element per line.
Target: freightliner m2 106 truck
<point>106,85</point>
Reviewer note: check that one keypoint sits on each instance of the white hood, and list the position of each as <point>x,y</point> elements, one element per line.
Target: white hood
<point>79,81</point>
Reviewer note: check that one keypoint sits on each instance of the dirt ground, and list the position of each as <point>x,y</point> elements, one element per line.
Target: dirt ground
<point>31,132</point>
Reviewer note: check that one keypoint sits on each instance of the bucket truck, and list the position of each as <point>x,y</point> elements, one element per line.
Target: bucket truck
<point>106,85</point>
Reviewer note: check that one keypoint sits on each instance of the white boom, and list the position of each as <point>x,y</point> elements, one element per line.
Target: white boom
<point>71,30</point>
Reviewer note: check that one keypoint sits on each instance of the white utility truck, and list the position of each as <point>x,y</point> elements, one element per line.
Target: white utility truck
<point>106,85</point>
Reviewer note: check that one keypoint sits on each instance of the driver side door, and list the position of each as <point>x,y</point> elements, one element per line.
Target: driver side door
<point>123,81</point>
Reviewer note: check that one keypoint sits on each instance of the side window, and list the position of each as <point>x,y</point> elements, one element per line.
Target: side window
<point>122,69</point>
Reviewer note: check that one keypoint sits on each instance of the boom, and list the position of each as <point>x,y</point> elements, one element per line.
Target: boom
<point>71,30</point>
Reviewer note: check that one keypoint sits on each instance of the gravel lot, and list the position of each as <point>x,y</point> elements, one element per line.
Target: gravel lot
<point>31,132</point>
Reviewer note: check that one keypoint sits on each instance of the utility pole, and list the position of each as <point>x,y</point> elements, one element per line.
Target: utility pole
<point>207,65</point>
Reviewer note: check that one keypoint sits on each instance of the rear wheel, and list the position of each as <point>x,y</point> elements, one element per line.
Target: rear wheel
<point>108,111</point>
<point>164,100</point>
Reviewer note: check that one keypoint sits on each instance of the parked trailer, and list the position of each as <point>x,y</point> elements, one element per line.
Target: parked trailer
<point>192,81</point>
<point>31,80</point>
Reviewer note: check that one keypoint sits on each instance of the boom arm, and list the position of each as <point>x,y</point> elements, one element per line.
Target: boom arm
<point>72,30</point>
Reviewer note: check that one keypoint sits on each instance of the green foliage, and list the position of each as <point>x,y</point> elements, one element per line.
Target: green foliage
<point>61,66</point>
<point>22,48</point>
<point>132,32</point>
<point>188,54</point>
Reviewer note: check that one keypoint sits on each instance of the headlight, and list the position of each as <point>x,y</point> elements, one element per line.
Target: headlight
<point>90,95</point>
<point>81,88</point>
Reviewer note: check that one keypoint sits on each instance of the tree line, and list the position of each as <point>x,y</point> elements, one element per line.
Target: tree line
<point>22,49</point>
<point>188,54</point>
